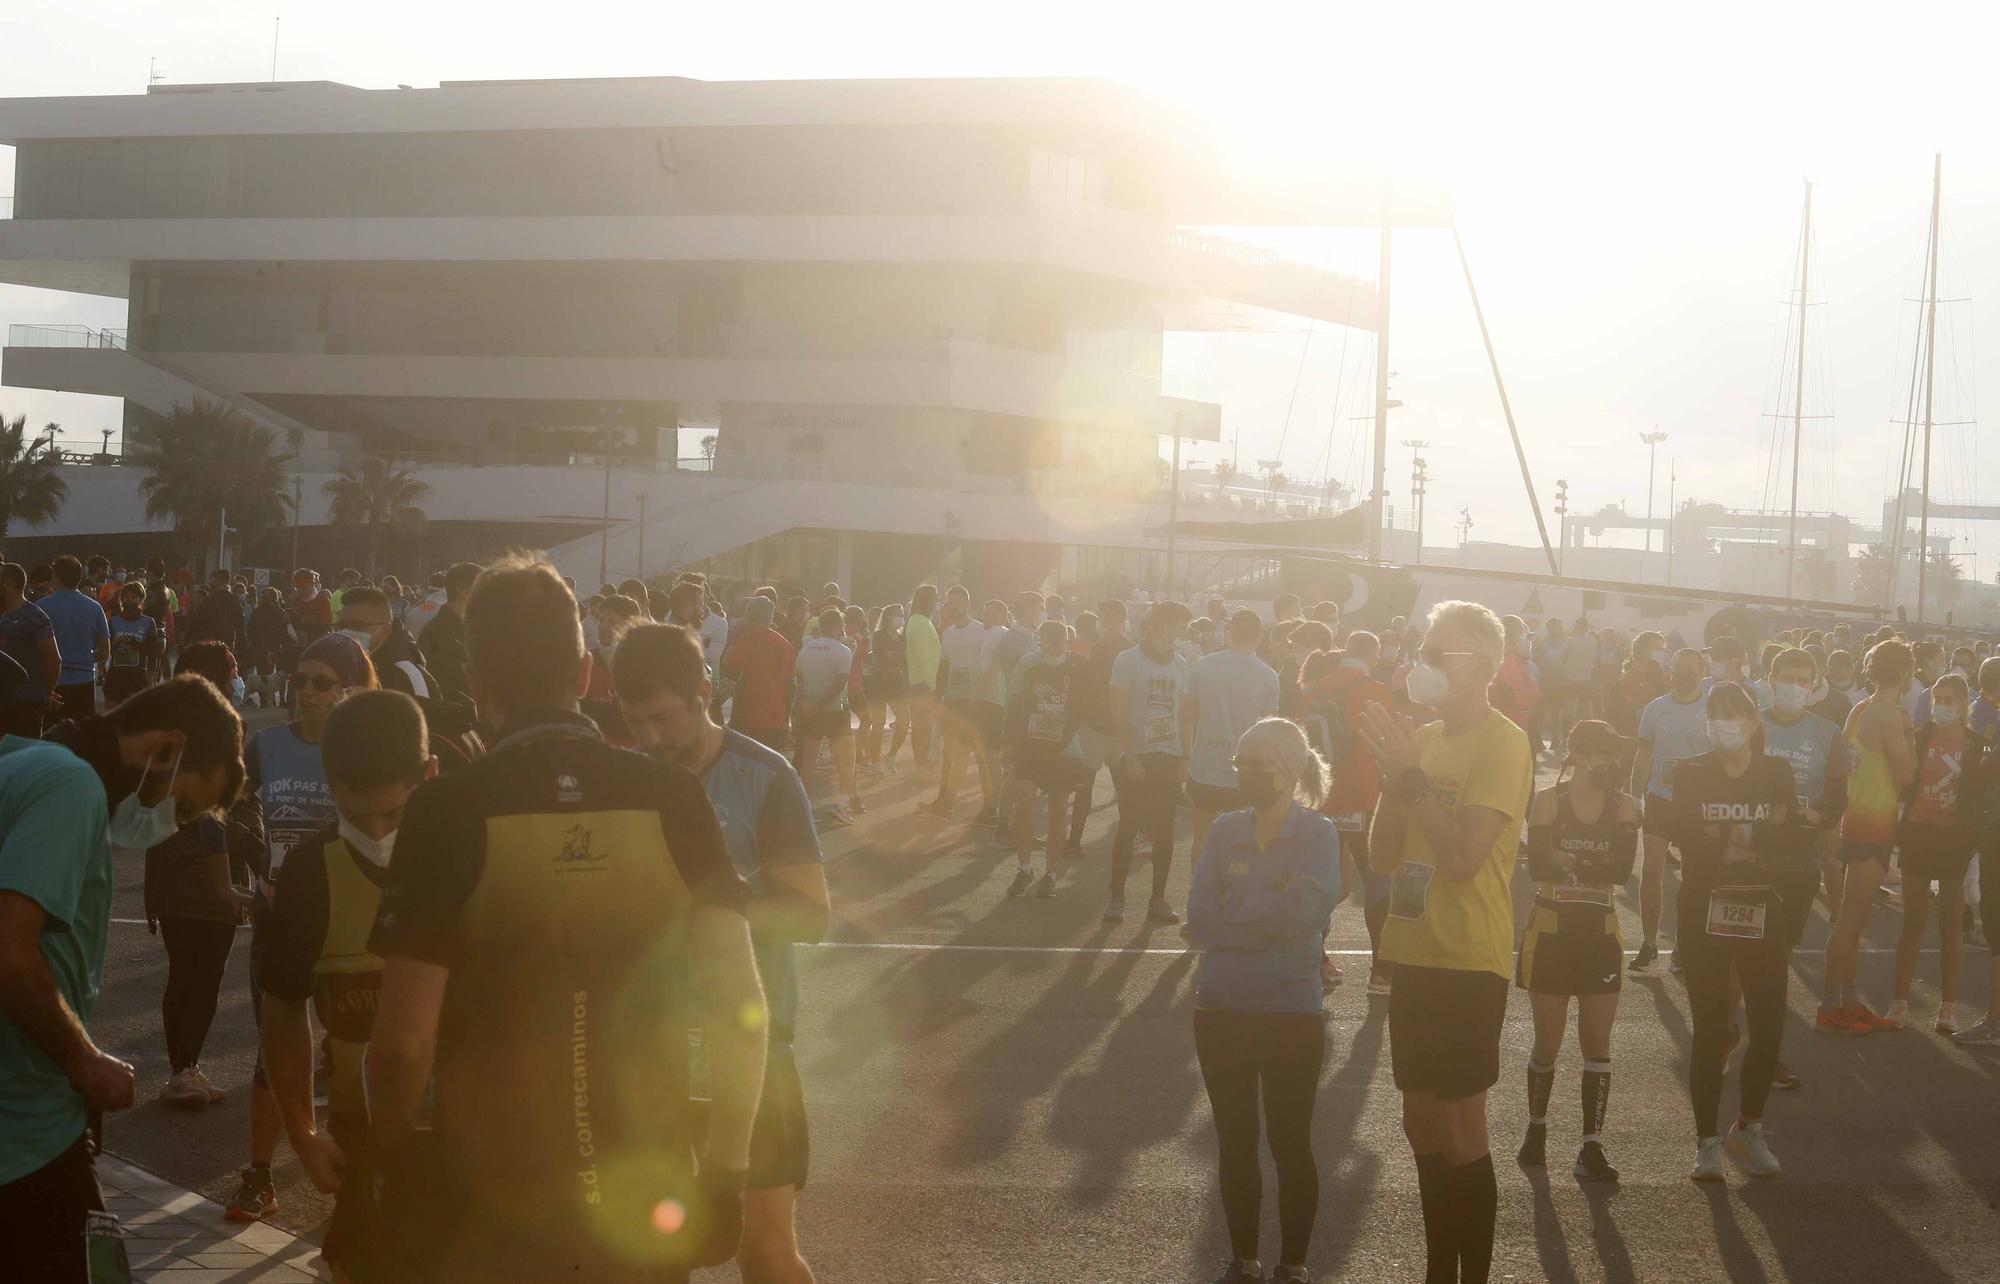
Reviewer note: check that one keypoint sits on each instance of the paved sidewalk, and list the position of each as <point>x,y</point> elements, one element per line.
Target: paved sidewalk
<point>177,1237</point>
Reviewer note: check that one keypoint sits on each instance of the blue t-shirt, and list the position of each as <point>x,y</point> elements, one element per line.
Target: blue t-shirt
<point>79,626</point>
<point>766,821</point>
<point>1154,710</point>
<point>285,773</point>
<point>1984,719</point>
<point>21,632</point>
<point>1259,914</point>
<point>53,850</point>
<point>1808,745</point>
<point>132,640</point>
<point>1231,691</point>
<point>1676,732</point>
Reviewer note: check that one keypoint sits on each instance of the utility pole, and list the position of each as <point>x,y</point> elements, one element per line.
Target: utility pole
<point>1651,440</point>
<point>1562,522</point>
<point>298,514</point>
<point>604,414</point>
<point>1417,480</point>
<point>1379,493</point>
<point>1799,394</point>
<point>1670,523</point>
<point>1930,357</point>
<point>222,540</point>
<point>642,535</point>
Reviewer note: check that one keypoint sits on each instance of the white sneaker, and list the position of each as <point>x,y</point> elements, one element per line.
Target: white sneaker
<point>1947,1018</point>
<point>1748,1147</point>
<point>1898,1015</point>
<point>1707,1160</point>
<point>1114,910</point>
<point>183,1092</point>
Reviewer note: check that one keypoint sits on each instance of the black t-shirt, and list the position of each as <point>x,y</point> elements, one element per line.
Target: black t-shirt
<point>1714,807</point>
<point>557,878</point>
<point>295,930</point>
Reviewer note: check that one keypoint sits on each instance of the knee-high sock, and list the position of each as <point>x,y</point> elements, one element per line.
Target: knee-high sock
<point>1596,1097</point>
<point>1472,1188</point>
<point>1541,1082</point>
<point>1440,1219</point>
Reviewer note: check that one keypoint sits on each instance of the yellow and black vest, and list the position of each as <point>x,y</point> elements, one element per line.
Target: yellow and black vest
<point>347,978</point>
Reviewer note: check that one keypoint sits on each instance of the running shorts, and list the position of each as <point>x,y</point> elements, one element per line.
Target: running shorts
<point>1444,1030</point>
<point>780,1151</point>
<point>833,724</point>
<point>1215,798</point>
<point>988,720</point>
<point>1852,850</point>
<point>1927,852</point>
<point>1571,949</point>
<point>1796,892</point>
<point>1054,775</point>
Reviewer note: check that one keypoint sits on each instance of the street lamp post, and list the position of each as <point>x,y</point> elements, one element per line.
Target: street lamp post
<point>1417,490</point>
<point>1562,522</point>
<point>1651,440</point>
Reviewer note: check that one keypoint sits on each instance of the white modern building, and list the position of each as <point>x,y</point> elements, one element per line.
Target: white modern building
<point>909,328</point>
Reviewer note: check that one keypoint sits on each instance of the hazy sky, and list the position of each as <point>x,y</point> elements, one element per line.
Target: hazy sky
<point>1627,179</point>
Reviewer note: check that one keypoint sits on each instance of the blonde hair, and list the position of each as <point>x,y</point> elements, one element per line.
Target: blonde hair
<point>1282,742</point>
<point>1482,628</point>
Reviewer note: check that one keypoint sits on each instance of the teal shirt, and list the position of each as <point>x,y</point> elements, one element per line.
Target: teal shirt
<point>53,850</point>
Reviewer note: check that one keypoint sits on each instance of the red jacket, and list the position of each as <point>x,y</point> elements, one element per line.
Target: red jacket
<point>1357,782</point>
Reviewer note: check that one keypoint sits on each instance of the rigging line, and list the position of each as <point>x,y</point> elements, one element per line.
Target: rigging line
<point>1909,438</point>
<point>1339,391</point>
<point>1312,324</point>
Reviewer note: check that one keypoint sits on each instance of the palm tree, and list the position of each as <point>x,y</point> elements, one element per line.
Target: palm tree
<point>1871,575</point>
<point>30,487</point>
<point>378,496</point>
<point>207,458</point>
<point>1225,473</point>
<point>1944,578</point>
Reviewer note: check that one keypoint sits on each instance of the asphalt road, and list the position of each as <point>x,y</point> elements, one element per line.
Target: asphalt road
<point>1006,1090</point>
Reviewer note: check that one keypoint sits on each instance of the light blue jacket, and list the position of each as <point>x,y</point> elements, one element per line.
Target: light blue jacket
<point>1259,916</point>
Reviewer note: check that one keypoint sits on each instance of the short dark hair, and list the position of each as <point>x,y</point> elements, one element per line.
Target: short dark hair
<point>13,574</point>
<point>1285,602</point>
<point>67,571</point>
<point>1245,626</point>
<point>211,658</point>
<point>658,657</point>
<point>375,738</point>
<point>99,560</point>
<point>925,598</point>
<point>522,636</point>
<point>832,622</point>
<point>1791,658</point>
<point>364,596</point>
<point>657,603</point>
<point>633,588</point>
<point>190,704</point>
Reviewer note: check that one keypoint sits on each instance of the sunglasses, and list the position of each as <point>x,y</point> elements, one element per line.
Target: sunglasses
<point>317,681</point>
<point>1435,656</point>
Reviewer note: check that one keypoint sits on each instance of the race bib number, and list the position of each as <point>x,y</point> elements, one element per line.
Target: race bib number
<point>104,1256</point>
<point>958,684</point>
<point>1668,766</point>
<point>1046,725</point>
<point>1410,891</point>
<point>1583,894</point>
<point>1351,822</point>
<point>700,1076</point>
<point>1737,913</point>
<point>1160,729</point>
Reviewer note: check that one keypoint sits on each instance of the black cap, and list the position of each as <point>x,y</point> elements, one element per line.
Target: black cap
<point>1593,737</point>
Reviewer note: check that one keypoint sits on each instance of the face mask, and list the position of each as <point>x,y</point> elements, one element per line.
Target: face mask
<point>1945,715</point>
<point>1843,686</point>
<point>360,637</point>
<point>1360,666</point>
<point>236,689</point>
<point>1788,698</point>
<point>1717,670</point>
<point>1428,685</point>
<point>373,850</point>
<point>134,825</point>
<point>1259,789</point>
<point>1604,775</point>
<point>1727,734</point>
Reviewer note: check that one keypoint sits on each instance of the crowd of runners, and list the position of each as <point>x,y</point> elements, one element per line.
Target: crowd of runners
<point>469,897</point>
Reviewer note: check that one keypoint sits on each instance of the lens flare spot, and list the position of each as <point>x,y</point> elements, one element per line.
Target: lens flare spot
<point>752,1016</point>
<point>669,1216</point>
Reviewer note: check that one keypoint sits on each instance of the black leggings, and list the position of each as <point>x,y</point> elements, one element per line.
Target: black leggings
<point>1282,1052</point>
<point>197,953</point>
<point>1760,966</point>
<point>1147,805</point>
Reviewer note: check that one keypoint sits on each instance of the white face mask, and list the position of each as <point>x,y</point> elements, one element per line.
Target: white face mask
<point>1818,693</point>
<point>139,827</point>
<point>1727,734</point>
<point>1428,685</point>
<point>1717,670</point>
<point>1946,715</point>
<point>1788,698</point>
<point>360,637</point>
<point>373,850</point>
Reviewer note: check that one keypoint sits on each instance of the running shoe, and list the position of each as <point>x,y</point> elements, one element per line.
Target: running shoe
<point>183,1093</point>
<point>1648,955</point>
<point>1674,964</point>
<point>1748,1147</point>
<point>1023,880</point>
<point>1869,1016</point>
<point>1002,839</point>
<point>1840,1021</point>
<point>1290,1275</point>
<point>1947,1019</point>
<point>1591,1165</point>
<point>1046,888</point>
<point>1984,1035</point>
<point>1114,910</point>
<point>255,1199</point>
<point>1898,1015</point>
<point>935,810</point>
<point>854,804</point>
<point>1534,1147</point>
<point>1707,1160</point>
<point>986,819</point>
<point>215,1094</point>
<point>1161,912</point>
<point>886,768</point>
<point>1238,1271</point>
<point>1378,983</point>
<point>835,815</point>
<point>1073,852</point>
<point>1783,1079</point>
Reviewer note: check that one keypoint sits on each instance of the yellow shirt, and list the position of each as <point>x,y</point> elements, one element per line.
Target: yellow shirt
<point>1436,920</point>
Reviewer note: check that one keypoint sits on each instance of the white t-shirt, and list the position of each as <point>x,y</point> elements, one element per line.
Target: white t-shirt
<point>823,669</point>
<point>964,647</point>
<point>714,638</point>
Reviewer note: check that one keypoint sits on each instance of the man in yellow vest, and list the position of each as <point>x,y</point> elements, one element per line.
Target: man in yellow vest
<point>376,752</point>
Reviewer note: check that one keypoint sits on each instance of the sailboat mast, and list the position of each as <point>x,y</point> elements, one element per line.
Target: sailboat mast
<point>1930,355</point>
<point>1378,494</point>
<point>1799,394</point>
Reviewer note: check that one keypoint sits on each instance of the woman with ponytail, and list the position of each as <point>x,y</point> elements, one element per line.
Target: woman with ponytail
<point>1266,882</point>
